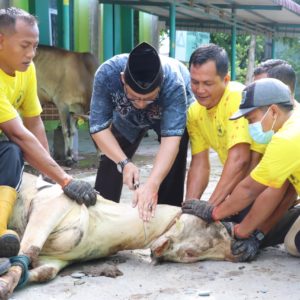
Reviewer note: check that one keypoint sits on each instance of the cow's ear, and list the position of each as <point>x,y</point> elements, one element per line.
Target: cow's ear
<point>160,246</point>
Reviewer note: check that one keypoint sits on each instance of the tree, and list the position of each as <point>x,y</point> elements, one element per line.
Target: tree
<point>242,51</point>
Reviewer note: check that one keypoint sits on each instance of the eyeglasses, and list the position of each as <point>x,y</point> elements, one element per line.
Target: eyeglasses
<point>147,100</point>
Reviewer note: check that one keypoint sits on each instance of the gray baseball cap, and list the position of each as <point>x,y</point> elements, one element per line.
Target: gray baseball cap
<point>263,92</point>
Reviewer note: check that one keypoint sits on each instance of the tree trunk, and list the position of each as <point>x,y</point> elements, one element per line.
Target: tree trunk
<point>251,59</point>
<point>4,4</point>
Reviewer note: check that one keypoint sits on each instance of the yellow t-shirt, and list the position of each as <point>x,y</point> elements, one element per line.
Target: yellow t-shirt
<point>212,127</point>
<point>281,160</point>
<point>19,94</point>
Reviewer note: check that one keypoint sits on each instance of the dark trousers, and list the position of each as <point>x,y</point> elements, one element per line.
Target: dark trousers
<point>277,234</point>
<point>109,181</point>
<point>11,164</point>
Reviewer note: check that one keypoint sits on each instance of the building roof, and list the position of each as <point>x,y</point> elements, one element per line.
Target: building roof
<point>269,17</point>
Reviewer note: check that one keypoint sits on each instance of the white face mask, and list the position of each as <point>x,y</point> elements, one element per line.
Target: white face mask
<point>258,134</point>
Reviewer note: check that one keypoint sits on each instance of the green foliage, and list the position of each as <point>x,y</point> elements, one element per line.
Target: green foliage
<point>286,48</point>
<point>163,35</point>
<point>242,48</point>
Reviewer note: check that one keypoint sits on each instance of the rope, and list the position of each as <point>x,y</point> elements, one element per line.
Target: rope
<point>23,261</point>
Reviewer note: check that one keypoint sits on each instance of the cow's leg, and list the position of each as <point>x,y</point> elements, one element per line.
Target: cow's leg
<point>73,130</point>
<point>43,220</point>
<point>9,281</point>
<point>65,118</point>
<point>47,269</point>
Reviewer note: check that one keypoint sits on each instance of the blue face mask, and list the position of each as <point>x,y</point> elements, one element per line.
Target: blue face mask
<point>258,134</point>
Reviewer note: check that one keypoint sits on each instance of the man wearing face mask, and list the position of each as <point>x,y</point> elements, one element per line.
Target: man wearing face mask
<point>133,93</point>
<point>268,106</point>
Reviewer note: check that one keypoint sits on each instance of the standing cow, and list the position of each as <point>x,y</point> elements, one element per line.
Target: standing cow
<point>65,78</point>
<point>58,237</point>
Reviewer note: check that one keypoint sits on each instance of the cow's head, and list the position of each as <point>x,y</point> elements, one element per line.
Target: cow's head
<point>191,239</point>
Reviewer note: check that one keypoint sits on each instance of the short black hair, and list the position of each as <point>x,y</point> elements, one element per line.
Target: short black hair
<point>284,107</point>
<point>9,16</point>
<point>279,69</point>
<point>211,52</point>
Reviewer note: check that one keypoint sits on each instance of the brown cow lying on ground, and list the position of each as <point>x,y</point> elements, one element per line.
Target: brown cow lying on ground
<point>57,232</point>
<point>65,78</point>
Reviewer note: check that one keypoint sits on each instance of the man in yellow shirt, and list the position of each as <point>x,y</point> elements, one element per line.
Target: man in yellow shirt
<point>279,69</point>
<point>268,106</point>
<point>25,132</point>
<point>209,126</point>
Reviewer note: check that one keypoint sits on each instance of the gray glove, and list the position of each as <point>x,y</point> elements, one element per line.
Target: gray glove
<point>199,208</point>
<point>80,191</point>
<point>246,249</point>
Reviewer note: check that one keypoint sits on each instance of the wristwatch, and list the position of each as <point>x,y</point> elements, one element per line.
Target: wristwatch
<point>121,164</point>
<point>259,235</point>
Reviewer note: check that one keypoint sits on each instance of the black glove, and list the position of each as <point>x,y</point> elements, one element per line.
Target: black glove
<point>81,191</point>
<point>246,249</point>
<point>199,208</point>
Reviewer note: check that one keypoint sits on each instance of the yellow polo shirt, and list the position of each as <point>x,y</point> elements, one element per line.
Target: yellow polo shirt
<point>281,160</point>
<point>212,127</point>
<point>19,94</point>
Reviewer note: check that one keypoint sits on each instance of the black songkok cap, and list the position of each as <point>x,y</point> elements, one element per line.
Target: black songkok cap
<point>143,72</point>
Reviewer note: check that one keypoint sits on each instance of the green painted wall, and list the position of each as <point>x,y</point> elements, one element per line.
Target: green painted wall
<point>107,31</point>
<point>81,26</point>
<point>41,10</point>
<point>127,28</point>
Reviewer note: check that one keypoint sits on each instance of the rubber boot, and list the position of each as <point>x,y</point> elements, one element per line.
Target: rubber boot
<point>9,239</point>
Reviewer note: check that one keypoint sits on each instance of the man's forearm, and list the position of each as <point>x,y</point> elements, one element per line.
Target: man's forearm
<point>108,144</point>
<point>234,171</point>
<point>287,201</point>
<point>36,127</point>
<point>39,158</point>
<point>197,181</point>
<point>242,196</point>
<point>230,178</point>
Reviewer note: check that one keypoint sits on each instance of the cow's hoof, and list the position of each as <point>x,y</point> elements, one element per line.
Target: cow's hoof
<point>4,290</point>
